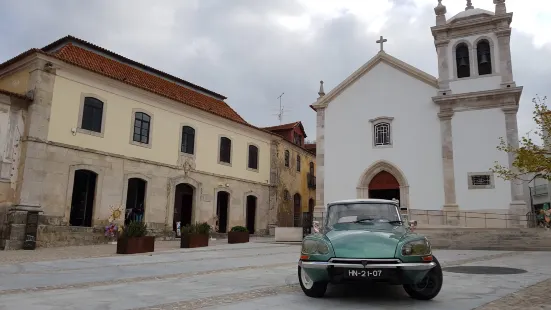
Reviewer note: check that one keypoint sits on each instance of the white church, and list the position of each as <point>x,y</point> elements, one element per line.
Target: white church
<point>392,131</point>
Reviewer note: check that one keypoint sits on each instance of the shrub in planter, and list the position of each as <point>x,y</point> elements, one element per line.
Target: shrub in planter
<point>134,239</point>
<point>238,234</point>
<point>195,235</point>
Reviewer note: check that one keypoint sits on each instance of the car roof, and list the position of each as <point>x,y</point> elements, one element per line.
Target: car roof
<point>365,200</point>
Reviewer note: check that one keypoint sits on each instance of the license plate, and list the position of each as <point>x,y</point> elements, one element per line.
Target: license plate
<point>364,273</point>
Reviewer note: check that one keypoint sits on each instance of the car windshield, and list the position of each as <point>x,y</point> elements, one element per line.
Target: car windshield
<point>362,212</point>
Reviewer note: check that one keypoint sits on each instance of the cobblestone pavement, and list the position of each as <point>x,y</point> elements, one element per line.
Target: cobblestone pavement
<point>256,275</point>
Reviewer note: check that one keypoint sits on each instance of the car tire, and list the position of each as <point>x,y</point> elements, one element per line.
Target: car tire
<point>429,287</point>
<point>309,287</point>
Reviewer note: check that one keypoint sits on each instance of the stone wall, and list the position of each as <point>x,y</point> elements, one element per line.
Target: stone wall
<point>513,239</point>
<point>48,176</point>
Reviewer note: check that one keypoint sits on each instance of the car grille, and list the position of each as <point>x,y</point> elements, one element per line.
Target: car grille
<point>360,261</point>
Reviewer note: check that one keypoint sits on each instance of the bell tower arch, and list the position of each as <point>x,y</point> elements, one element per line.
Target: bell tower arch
<point>473,49</point>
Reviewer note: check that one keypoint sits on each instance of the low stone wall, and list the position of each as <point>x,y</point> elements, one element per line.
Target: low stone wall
<point>53,232</point>
<point>512,239</point>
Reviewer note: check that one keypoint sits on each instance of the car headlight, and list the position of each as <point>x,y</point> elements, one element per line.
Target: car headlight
<point>417,248</point>
<point>314,247</point>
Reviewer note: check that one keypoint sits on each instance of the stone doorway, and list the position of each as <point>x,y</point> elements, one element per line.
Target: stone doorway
<point>384,186</point>
<point>183,206</point>
<point>222,210</point>
<point>83,198</point>
<point>251,213</point>
<point>135,200</point>
<point>384,180</point>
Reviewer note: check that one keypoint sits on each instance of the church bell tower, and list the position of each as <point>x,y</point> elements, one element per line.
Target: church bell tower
<point>476,89</point>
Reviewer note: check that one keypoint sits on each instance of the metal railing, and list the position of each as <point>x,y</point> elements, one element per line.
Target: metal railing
<point>470,219</point>
<point>473,219</point>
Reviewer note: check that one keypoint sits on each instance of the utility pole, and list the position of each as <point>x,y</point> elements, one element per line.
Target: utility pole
<point>280,114</point>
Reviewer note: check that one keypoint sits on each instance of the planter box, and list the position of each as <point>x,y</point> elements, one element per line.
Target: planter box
<point>238,237</point>
<point>194,240</point>
<point>288,234</point>
<point>136,245</point>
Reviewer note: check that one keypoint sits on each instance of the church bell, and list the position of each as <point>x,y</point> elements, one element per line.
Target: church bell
<point>484,59</point>
<point>463,63</point>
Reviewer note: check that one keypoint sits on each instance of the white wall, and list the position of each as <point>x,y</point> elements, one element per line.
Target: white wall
<point>476,134</point>
<point>385,91</point>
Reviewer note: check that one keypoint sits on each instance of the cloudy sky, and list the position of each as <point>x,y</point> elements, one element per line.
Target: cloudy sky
<point>253,50</point>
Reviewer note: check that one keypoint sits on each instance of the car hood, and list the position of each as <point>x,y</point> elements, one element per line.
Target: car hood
<point>369,242</point>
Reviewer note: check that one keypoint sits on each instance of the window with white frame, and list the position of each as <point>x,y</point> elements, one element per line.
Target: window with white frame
<point>382,134</point>
<point>481,180</point>
<point>382,131</point>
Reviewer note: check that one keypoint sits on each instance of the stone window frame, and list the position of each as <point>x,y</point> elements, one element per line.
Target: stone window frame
<point>380,120</point>
<point>492,55</point>
<point>219,149</point>
<point>298,165</point>
<point>257,157</point>
<point>454,59</point>
<point>485,173</point>
<point>151,124</point>
<point>182,125</point>
<point>79,128</point>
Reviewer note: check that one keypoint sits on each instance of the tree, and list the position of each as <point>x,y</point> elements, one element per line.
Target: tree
<point>531,159</point>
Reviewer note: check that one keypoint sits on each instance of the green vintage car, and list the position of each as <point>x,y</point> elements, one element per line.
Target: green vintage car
<point>367,240</point>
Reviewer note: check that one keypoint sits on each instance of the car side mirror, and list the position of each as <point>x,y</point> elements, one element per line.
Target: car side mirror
<point>412,224</point>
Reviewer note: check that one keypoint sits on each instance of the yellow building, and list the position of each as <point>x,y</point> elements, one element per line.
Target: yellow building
<point>294,163</point>
<point>103,131</point>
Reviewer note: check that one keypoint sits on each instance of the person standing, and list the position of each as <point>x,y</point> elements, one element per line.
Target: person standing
<point>138,212</point>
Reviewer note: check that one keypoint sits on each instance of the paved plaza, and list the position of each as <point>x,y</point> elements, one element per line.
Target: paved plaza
<point>256,275</point>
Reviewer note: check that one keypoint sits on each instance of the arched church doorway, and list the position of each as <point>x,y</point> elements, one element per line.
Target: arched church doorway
<point>222,209</point>
<point>384,186</point>
<point>82,200</point>
<point>183,206</point>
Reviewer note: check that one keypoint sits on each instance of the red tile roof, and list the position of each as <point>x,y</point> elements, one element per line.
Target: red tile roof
<point>310,146</point>
<point>282,127</point>
<point>101,61</point>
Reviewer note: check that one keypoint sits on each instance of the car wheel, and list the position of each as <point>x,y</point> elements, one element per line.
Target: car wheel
<point>429,287</point>
<point>309,287</point>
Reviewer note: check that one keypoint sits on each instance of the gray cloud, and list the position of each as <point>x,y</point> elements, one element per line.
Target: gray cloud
<point>233,48</point>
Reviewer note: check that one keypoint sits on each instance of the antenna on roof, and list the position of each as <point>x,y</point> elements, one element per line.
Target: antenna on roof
<point>281,111</point>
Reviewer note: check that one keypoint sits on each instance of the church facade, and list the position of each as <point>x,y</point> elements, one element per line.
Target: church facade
<point>428,141</point>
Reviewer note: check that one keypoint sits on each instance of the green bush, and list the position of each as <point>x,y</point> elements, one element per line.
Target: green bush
<point>239,229</point>
<point>134,229</point>
<point>197,228</point>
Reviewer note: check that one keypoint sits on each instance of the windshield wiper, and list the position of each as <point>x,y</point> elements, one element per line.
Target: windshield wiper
<point>361,221</point>
<point>395,222</point>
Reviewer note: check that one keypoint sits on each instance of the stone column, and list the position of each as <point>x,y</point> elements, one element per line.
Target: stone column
<point>517,194</point>
<point>443,67</point>
<point>450,208</point>
<point>41,83</point>
<point>319,209</point>
<point>505,66</point>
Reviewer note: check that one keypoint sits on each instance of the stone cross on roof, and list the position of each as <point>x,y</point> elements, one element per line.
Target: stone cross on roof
<point>382,42</point>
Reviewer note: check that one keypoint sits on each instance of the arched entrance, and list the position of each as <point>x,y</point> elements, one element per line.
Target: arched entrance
<point>251,213</point>
<point>384,186</point>
<point>384,180</point>
<point>135,200</point>
<point>222,208</point>
<point>183,206</point>
<point>83,197</point>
